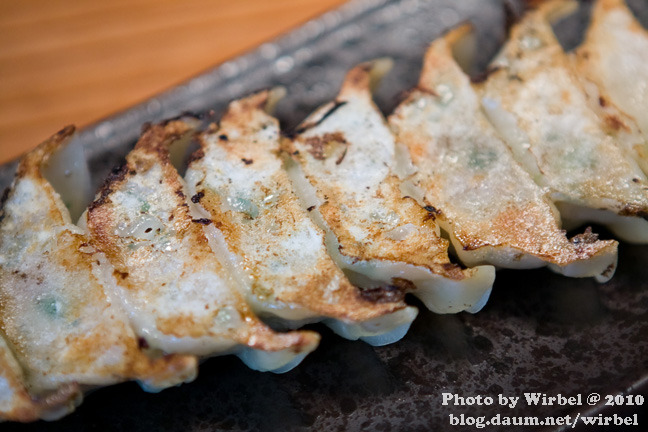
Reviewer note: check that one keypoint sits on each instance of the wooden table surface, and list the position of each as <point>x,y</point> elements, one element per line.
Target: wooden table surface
<point>76,61</point>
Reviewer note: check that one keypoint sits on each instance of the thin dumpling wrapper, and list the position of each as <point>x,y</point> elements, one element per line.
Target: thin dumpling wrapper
<point>17,404</point>
<point>179,293</point>
<point>612,60</point>
<point>57,309</point>
<point>539,107</point>
<point>490,207</point>
<point>237,177</point>
<point>346,172</point>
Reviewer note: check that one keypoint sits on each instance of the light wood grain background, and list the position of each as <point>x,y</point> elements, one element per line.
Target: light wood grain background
<point>76,61</point>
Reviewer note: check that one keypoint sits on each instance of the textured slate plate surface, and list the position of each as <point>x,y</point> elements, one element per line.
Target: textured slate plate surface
<point>540,332</point>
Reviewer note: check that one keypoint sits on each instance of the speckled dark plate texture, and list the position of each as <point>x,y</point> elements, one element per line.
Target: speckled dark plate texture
<point>540,332</point>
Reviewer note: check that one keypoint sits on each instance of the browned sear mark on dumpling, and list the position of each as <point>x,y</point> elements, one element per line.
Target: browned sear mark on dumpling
<point>324,146</point>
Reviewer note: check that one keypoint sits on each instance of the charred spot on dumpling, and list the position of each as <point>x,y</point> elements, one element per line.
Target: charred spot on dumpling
<point>120,274</point>
<point>316,147</point>
<point>197,197</point>
<point>482,76</point>
<point>3,199</point>
<point>387,294</point>
<point>5,196</point>
<point>615,123</point>
<point>588,237</point>
<point>322,147</point>
<point>609,271</point>
<point>634,210</point>
<point>432,212</point>
<point>117,174</point>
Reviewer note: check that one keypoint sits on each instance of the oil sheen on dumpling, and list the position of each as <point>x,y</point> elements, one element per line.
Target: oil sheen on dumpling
<point>490,207</point>
<point>346,172</point>
<point>178,292</point>
<point>539,107</point>
<point>56,306</point>
<point>17,404</point>
<point>238,178</point>
<point>613,57</point>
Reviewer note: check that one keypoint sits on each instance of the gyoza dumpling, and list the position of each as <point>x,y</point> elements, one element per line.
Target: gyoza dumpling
<point>346,173</point>
<point>16,404</point>
<point>180,295</point>
<point>614,57</point>
<point>238,178</point>
<point>57,308</point>
<point>539,107</point>
<point>492,210</point>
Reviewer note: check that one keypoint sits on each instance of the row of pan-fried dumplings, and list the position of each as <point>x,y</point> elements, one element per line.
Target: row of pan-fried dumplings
<point>335,224</point>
